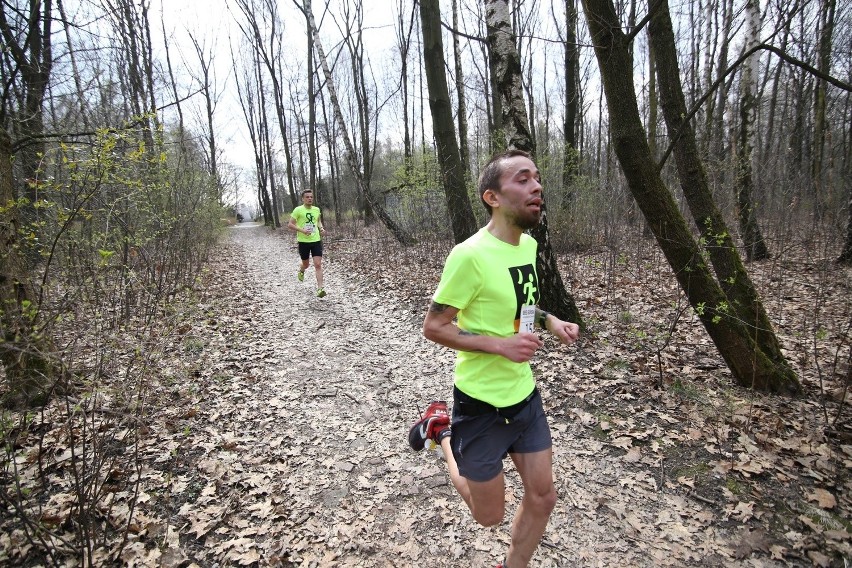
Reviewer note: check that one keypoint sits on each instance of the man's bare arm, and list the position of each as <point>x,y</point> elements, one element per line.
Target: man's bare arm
<point>440,327</point>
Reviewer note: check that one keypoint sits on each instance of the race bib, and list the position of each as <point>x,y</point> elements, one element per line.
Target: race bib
<point>527,319</point>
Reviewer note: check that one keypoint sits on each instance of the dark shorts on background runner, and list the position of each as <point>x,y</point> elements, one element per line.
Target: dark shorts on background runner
<point>480,443</point>
<point>310,249</point>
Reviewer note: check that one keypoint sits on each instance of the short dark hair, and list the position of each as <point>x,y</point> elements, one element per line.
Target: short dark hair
<point>304,191</point>
<point>493,171</point>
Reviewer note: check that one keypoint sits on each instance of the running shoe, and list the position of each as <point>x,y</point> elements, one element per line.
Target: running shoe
<point>320,292</point>
<point>434,425</point>
<point>301,275</point>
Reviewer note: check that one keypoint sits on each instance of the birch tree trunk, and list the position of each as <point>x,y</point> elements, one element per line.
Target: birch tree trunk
<point>755,246</point>
<point>749,365</point>
<point>506,70</point>
<point>462,219</point>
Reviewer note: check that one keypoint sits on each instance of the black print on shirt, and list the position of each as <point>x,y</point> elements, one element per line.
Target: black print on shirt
<point>525,281</point>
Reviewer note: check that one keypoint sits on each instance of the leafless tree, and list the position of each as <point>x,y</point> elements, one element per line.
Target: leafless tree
<point>459,208</point>
<point>755,246</point>
<point>749,364</point>
<point>396,230</point>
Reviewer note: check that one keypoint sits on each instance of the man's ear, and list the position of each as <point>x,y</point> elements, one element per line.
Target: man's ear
<point>490,197</point>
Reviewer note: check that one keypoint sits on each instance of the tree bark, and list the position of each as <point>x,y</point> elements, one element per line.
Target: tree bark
<point>459,209</point>
<point>25,351</point>
<point>749,365</point>
<point>817,161</point>
<point>570,153</point>
<point>742,296</point>
<point>755,246</point>
<point>506,69</point>
<point>845,257</point>
<point>464,154</point>
<point>404,44</point>
<point>271,57</point>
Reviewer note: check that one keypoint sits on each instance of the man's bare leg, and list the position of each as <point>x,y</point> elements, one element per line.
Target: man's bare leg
<point>318,270</point>
<point>485,499</point>
<point>536,471</point>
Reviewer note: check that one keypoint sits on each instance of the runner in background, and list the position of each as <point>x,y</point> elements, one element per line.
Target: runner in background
<point>306,220</point>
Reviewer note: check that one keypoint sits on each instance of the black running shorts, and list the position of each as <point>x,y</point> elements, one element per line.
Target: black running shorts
<point>480,443</point>
<point>310,249</point>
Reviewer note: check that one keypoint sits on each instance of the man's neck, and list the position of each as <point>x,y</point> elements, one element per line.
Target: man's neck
<point>503,230</point>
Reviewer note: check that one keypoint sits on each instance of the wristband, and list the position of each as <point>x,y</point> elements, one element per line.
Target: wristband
<point>542,319</point>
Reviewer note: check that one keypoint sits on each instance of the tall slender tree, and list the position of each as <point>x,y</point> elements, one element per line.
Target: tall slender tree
<point>27,354</point>
<point>464,152</point>
<point>570,152</point>
<point>752,236</point>
<point>462,219</point>
<point>399,233</point>
<point>742,296</point>
<point>826,36</point>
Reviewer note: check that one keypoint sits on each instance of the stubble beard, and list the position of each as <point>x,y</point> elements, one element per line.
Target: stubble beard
<point>527,221</point>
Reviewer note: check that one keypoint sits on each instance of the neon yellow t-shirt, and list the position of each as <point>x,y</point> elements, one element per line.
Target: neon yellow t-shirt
<point>488,280</point>
<point>307,218</point>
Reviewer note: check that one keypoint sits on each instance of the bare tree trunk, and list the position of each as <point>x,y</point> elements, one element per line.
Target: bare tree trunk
<point>752,237</point>
<point>333,162</point>
<point>248,96</point>
<point>355,43</point>
<point>462,219</point>
<point>272,57</point>
<point>27,41</point>
<point>749,365</point>
<point>817,158</point>
<point>208,92</point>
<point>570,154</point>
<point>132,29</point>
<point>25,352</point>
<point>400,234</point>
<point>506,69</point>
<point>464,153</point>
<point>845,257</point>
<point>404,45</point>
<point>742,297</point>
<point>312,120</point>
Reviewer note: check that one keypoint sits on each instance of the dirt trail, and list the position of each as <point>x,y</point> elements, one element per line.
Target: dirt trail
<point>299,453</point>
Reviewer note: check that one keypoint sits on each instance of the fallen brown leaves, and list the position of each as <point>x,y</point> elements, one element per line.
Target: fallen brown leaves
<point>279,432</point>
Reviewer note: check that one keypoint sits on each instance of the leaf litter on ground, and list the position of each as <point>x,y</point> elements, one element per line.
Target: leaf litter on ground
<point>279,438</point>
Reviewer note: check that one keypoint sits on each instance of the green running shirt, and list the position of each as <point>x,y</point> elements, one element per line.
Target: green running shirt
<point>307,217</point>
<point>488,281</point>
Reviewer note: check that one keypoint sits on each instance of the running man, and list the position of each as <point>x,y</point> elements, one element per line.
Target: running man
<point>306,220</point>
<point>490,285</point>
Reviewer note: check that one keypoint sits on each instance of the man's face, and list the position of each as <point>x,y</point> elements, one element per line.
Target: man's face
<point>308,198</point>
<point>520,196</point>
